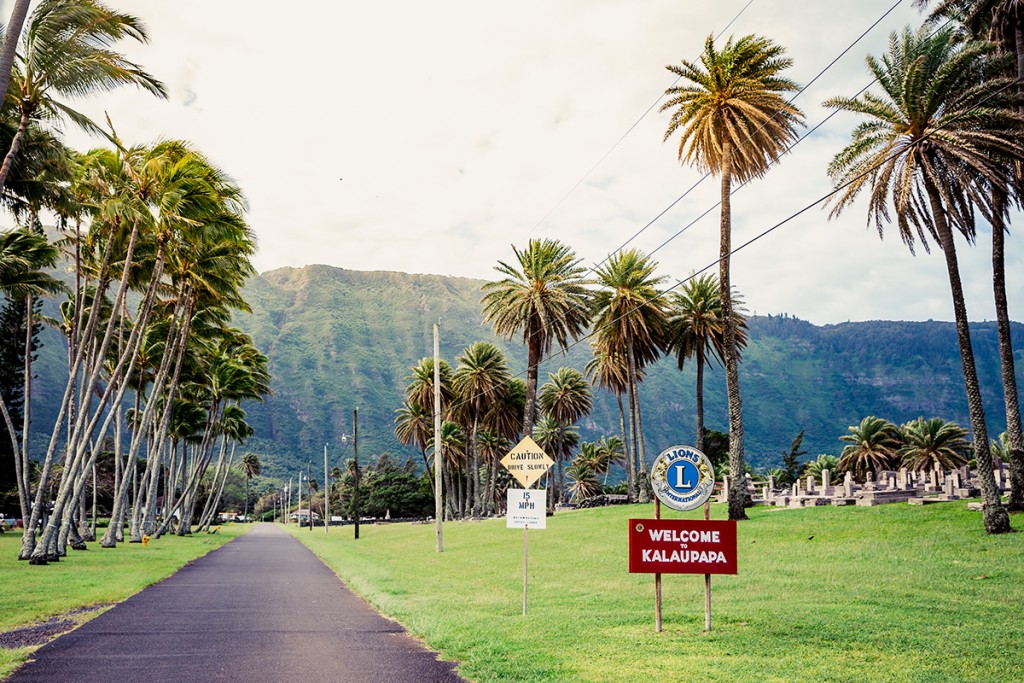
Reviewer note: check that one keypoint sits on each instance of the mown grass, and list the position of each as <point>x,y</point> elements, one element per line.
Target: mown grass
<point>32,594</point>
<point>891,593</point>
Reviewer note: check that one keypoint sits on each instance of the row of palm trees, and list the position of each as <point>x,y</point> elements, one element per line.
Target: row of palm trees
<point>157,244</point>
<point>939,144</point>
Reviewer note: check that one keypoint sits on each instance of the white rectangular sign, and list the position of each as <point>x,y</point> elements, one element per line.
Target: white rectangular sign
<point>527,508</point>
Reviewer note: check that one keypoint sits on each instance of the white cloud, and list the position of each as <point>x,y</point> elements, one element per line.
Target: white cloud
<point>428,137</point>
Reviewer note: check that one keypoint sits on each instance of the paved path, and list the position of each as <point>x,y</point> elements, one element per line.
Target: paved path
<point>261,608</point>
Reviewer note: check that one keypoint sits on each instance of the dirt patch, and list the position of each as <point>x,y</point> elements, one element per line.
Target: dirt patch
<point>45,631</point>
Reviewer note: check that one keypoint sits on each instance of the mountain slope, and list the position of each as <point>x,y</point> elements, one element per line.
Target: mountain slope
<point>339,339</point>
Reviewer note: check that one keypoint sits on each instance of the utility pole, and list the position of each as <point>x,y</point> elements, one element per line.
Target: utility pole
<point>327,495</point>
<point>438,508</point>
<point>355,458</point>
<point>298,510</point>
<point>309,485</point>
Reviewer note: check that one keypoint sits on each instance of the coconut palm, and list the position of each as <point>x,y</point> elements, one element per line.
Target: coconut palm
<point>11,35</point>
<point>733,122</point>
<point>609,371</point>
<point>631,319</point>
<point>66,53</point>
<point>940,132</point>
<point>481,373</point>
<point>414,426</point>
<point>24,257</point>
<point>696,331</point>
<point>543,297</point>
<point>251,467</point>
<point>1002,22</point>
<point>566,398</point>
<point>934,444</point>
<point>872,446</point>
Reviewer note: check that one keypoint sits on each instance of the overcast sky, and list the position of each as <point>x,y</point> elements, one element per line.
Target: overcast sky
<point>430,137</point>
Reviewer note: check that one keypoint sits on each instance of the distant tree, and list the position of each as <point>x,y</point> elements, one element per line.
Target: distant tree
<point>791,465</point>
<point>716,447</point>
<point>815,467</point>
<point>250,468</point>
<point>872,446</point>
<point>583,481</point>
<point>543,297</point>
<point>934,444</point>
<point>565,397</point>
<point>696,331</point>
<point>630,316</point>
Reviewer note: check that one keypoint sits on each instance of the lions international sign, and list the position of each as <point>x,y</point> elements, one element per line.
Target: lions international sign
<point>680,546</point>
<point>682,478</point>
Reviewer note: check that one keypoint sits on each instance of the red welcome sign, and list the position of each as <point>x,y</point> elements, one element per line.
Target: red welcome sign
<point>681,546</point>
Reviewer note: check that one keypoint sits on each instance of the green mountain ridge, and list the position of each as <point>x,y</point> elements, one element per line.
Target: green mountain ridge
<point>342,339</point>
<point>339,339</point>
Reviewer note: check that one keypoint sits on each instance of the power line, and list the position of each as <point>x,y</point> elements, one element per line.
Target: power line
<point>623,136</point>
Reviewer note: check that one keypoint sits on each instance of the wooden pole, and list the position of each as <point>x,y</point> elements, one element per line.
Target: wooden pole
<point>355,458</point>
<point>657,578</point>
<point>438,490</point>
<point>327,495</point>
<point>707,579</point>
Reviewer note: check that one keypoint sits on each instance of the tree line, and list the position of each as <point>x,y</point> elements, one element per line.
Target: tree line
<point>157,247</point>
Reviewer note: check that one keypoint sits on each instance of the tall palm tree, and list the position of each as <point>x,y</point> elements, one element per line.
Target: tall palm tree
<point>11,35</point>
<point>566,398</point>
<point>66,53</point>
<point>933,444</point>
<point>939,132</point>
<point>609,371</point>
<point>696,331</point>
<point>24,257</point>
<point>543,297</point>
<point>251,467</point>
<point>1002,22</point>
<point>734,122</point>
<point>630,315</point>
<point>477,382</point>
<point>414,426</point>
<point>872,446</point>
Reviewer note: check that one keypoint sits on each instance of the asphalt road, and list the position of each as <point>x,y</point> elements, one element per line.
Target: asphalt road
<point>261,608</point>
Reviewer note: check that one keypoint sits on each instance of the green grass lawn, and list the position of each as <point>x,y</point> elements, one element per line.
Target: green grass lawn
<point>890,593</point>
<point>31,594</point>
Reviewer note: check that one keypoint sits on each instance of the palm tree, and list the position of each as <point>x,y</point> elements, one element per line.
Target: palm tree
<point>251,467</point>
<point>938,134</point>
<point>66,53</point>
<point>414,426</point>
<point>12,32</point>
<point>24,256</point>
<point>696,331</point>
<point>479,377</point>
<point>566,398</point>
<point>609,371</point>
<point>814,468</point>
<point>872,446</point>
<point>1002,22</point>
<point>543,297</point>
<point>630,318</point>
<point>735,123</point>
<point>583,481</point>
<point>934,444</point>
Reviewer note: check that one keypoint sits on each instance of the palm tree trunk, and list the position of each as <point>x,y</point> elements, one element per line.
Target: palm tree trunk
<point>996,519</point>
<point>11,37</point>
<point>737,483</point>
<point>1014,433</point>
<point>698,442</point>
<point>5,169</point>
<point>533,354</point>
<point>475,465</point>
<point>622,430</point>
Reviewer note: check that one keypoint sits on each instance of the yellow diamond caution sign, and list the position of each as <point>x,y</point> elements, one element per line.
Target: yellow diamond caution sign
<point>527,462</point>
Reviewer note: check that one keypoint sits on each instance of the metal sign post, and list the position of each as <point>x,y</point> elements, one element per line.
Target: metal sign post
<point>526,508</point>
